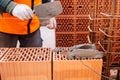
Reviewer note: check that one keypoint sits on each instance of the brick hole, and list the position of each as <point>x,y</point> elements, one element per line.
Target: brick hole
<point>61,58</point>
<point>79,41</point>
<point>25,49</point>
<point>2,49</point>
<point>47,49</point>
<point>47,53</point>
<point>38,50</point>
<point>80,6</point>
<point>31,55</point>
<point>36,59</point>
<point>70,7</point>
<point>92,6</point>
<point>30,49</point>
<point>80,24</point>
<point>9,59</point>
<point>64,56</point>
<point>57,56</point>
<point>16,59</point>
<point>35,53</point>
<point>10,53</point>
<point>29,59</point>
<point>57,53</point>
<point>45,56</point>
<point>70,25</point>
<point>13,49</point>
<point>41,49</point>
<point>25,55</point>
<point>22,53</point>
<point>70,41</point>
<point>42,59</point>
<point>59,24</point>
<point>44,50</point>
<point>20,57</point>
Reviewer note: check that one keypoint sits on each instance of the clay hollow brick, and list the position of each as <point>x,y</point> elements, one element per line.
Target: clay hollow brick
<point>44,64</point>
<point>64,69</point>
<point>3,51</point>
<point>26,64</point>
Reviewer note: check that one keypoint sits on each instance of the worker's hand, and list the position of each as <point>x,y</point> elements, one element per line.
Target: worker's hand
<point>44,22</point>
<point>22,12</point>
<point>52,23</point>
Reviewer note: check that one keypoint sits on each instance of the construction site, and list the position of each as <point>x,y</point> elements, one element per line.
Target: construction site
<point>82,24</point>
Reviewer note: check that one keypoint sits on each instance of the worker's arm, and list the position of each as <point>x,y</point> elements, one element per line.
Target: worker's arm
<point>10,7</point>
<point>21,11</point>
<point>6,6</point>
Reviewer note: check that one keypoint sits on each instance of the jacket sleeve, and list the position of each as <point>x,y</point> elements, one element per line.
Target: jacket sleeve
<point>10,7</point>
<point>3,5</point>
<point>7,6</point>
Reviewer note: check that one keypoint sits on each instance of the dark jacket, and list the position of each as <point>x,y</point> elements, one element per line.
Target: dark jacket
<point>7,6</point>
<point>45,1</point>
<point>3,5</point>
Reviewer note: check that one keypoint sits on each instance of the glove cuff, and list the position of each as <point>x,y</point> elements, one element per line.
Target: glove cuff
<point>10,7</point>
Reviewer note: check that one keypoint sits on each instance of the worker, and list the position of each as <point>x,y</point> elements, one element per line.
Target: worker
<point>19,22</point>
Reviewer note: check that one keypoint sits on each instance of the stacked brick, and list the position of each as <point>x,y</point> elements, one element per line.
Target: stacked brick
<point>64,69</point>
<point>110,27</point>
<point>106,6</point>
<point>43,64</point>
<point>73,22</point>
<point>98,21</point>
<point>26,64</point>
<point>117,28</point>
<point>116,46</point>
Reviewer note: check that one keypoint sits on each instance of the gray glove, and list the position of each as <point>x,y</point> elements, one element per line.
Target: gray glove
<point>84,51</point>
